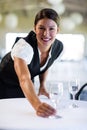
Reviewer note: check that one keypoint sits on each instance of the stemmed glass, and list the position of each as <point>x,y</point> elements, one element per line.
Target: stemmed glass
<point>56,92</point>
<point>73,89</point>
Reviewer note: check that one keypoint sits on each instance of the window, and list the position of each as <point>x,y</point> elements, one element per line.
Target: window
<point>73,46</point>
<point>10,39</point>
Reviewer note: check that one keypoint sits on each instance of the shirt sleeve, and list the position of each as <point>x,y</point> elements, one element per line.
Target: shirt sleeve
<point>22,50</point>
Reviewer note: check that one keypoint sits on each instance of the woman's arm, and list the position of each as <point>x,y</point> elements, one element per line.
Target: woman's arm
<point>25,81</point>
<point>42,89</point>
<point>27,86</point>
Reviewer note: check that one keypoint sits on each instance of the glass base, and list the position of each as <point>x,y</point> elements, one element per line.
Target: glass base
<point>73,106</point>
<point>55,117</point>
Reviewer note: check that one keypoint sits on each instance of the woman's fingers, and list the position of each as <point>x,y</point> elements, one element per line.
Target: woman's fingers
<point>45,110</point>
<point>42,91</point>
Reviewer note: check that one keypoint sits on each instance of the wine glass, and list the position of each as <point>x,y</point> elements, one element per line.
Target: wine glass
<point>73,89</point>
<point>56,92</point>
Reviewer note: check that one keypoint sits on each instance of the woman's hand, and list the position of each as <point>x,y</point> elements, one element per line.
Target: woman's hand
<point>43,91</point>
<point>42,88</point>
<point>45,110</point>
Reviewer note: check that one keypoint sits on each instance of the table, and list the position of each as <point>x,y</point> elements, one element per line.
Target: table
<point>18,114</point>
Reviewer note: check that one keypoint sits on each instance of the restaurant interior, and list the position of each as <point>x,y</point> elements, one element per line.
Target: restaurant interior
<point>17,16</point>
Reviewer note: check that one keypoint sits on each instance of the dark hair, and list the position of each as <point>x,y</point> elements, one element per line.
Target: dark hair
<point>47,13</point>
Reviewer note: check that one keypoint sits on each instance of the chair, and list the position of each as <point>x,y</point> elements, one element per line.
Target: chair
<point>82,93</point>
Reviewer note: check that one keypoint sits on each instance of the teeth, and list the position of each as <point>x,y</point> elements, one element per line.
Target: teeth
<point>46,39</point>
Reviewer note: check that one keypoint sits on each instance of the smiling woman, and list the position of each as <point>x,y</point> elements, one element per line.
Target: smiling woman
<point>32,56</point>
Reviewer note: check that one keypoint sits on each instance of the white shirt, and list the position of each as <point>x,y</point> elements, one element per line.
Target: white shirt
<point>24,51</point>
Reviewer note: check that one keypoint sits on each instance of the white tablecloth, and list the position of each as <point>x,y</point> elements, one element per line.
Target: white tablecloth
<point>18,114</point>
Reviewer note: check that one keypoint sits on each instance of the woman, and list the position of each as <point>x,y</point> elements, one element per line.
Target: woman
<point>31,56</point>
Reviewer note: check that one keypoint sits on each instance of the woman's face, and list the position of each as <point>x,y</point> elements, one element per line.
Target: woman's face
<point>46,30</point>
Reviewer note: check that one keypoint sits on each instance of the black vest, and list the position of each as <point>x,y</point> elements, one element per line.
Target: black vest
<point>7,72</point>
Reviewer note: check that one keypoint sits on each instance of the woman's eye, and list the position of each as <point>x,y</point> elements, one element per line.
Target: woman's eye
<point>41,28</point>
<point>51,28</point>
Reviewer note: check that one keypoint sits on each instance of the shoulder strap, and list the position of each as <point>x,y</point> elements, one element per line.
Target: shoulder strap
<point>57,48</point>
<point>30,38</point>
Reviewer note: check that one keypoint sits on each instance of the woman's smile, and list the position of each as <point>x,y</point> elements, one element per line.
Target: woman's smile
<point>46,30</point>
<point>45,39</point>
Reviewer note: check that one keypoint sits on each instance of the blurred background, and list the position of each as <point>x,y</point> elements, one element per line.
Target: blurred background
<point>17,17</point>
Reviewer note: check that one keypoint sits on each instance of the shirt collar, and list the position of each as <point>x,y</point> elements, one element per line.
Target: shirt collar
<point>49,52</point>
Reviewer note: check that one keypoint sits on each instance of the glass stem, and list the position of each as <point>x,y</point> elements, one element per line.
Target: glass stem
<point>73,98</point>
